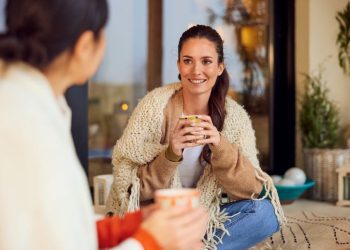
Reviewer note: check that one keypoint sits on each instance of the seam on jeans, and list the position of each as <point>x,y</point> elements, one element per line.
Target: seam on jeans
<point>231,222</point>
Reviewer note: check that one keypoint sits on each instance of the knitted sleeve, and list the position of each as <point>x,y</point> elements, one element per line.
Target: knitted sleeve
<point>113,230</point>
<point>234,171</point>
<point>155,175</point>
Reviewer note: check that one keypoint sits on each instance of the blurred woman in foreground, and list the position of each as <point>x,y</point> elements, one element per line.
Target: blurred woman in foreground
<point>45,199</point>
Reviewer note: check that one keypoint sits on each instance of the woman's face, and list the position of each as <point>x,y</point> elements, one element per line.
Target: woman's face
<point>198,66</point>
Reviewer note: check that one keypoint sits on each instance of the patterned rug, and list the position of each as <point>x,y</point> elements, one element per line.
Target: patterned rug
<point>307,230</point>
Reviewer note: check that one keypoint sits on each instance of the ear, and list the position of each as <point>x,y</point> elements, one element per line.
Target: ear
<point>178,65</point>
<point>84,47</point>
<point>86,55</point>
<point>221,69</point>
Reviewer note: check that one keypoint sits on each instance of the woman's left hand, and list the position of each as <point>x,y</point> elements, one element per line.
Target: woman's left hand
<point>210,133</point>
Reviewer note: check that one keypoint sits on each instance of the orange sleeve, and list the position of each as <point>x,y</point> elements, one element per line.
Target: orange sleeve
<point>113,230</point>
<point>146,240</point>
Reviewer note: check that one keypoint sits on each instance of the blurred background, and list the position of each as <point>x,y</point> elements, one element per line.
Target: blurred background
<point>142,38</point>
<point>267,45</point>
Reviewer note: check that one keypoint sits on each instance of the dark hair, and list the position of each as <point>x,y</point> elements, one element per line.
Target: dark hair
<point>218,94</point>
<point>39,30</point>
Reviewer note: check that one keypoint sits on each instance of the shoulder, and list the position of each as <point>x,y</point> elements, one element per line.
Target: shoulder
<point>235,110</point>
<point>16,102</point>
<point>237,121</point>
<point>23,91</point>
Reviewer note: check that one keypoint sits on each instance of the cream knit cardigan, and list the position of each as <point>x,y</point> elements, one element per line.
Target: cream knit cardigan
<point>140,144</point>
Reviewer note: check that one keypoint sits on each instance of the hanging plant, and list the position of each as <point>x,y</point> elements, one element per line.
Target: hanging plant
<point>343,38</point>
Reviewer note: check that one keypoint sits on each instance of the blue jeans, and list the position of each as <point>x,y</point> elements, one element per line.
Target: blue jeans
<point>255,222</point>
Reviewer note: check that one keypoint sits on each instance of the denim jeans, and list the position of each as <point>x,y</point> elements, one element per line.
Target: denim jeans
<point>254,222</point>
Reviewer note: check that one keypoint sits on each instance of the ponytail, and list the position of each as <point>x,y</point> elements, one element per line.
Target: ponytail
<point>217,110</point>
<point>13,49</point>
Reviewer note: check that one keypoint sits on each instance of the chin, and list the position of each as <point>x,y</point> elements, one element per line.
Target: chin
<point>198,89</point>
<point>81,81</point>
<point>198,92</point>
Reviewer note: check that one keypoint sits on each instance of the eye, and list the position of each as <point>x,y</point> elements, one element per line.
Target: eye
<point>206,61</point>
<point>187,61</point>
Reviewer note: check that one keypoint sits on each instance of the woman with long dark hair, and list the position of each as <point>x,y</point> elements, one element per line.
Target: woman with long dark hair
<point>45,201</point>
<point>212,150</point>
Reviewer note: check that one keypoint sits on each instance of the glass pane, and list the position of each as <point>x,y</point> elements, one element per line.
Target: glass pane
<point>120,81</point>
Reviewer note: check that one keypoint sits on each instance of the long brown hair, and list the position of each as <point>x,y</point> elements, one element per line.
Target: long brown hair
<point>216,103</point>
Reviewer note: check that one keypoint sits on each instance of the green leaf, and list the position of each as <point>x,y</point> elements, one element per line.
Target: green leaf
<point>343,38</point>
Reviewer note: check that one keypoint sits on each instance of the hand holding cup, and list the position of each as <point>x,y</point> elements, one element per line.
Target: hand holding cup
<point>186,134</point>
<point>180,222</point>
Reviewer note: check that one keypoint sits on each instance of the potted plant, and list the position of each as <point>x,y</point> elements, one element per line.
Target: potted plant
<point>319,125</point>
<point>319,117</point>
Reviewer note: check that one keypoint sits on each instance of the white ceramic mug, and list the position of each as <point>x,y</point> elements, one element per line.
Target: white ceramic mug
<point>188,197</point>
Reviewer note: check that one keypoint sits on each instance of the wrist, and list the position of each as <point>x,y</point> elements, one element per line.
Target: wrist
<point>147,240</point>
<point>217,144</point>
<point>171,155</point>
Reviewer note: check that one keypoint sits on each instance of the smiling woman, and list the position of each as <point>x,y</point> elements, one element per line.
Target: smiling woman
<point>217,155</point>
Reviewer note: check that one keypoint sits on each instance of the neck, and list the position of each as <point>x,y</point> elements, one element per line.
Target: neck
<point>195,105</point>
<point>57,83</point>
<point>58,77</point>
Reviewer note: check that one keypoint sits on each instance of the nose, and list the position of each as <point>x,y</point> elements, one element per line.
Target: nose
<point>197,68</point>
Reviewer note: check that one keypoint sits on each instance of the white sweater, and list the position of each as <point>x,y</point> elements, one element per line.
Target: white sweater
<point>45,202</point>
<point>44,196</point>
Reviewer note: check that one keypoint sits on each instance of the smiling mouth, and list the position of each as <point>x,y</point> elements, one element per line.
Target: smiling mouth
<point>197,81</point>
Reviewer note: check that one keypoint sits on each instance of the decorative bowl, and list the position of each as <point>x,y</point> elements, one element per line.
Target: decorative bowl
<point>288,194</point>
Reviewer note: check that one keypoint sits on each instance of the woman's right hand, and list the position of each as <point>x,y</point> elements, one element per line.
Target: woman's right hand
<point>177,228</point>
<point>182,136</point>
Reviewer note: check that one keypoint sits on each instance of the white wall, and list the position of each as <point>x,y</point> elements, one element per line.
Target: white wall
<point>323,33</point>
<point>126,32</point>
<point>316,31</point>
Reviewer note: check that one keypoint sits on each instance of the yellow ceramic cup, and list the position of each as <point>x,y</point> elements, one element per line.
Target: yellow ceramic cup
<point>188,197</point>
<point>193,118</point>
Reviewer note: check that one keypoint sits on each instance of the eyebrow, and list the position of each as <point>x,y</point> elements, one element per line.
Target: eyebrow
<point>203,57</point>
